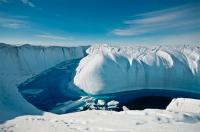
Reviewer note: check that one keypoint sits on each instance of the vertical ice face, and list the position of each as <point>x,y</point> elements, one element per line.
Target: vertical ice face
<point>18,63</point>
<point>32,60</point>
<point>109,69</point>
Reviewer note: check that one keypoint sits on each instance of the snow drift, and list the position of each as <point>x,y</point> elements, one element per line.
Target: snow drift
<point>18,63</point>
<point>111,69</point>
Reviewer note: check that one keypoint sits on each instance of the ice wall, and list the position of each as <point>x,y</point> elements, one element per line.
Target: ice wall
<point>18,63</point>
<point>111,69</point>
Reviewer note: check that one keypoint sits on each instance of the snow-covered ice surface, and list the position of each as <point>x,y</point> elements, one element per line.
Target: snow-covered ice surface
<point>107,121</point>
<point>150,120</point>
<point>111,69</point>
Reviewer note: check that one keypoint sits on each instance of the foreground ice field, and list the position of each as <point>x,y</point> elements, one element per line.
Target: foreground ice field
<point>182,115</point>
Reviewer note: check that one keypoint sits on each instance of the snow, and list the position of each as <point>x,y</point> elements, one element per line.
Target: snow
<point>110,69</point>
<point>184,105</point>
<point>107,121</point>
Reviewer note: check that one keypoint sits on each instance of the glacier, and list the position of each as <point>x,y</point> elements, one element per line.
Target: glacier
<point>112,69</point>
<point>34,79</point>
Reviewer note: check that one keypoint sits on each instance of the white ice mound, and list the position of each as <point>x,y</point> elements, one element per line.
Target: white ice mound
<point>111,69</point>
<point>184,105</point>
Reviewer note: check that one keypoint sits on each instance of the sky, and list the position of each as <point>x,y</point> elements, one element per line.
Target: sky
<point>86,22</point>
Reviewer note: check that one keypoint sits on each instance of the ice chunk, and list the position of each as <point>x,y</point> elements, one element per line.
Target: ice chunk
<point>125,108</point>
<point>100,102</point>
<point>112,103</point>
<point>184,105</point>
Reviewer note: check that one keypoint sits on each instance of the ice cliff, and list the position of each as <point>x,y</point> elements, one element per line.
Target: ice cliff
<point>111,69</point>
<point>18,63</point>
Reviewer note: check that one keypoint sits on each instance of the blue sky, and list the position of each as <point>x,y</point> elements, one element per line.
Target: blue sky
<point>84,22</point>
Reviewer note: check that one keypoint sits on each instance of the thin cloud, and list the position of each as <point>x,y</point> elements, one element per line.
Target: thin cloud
<point>165,11</point>
<point>50,36</point>
<point>156,19</point>
<point>12,22</point>
<point>28,2</point>
<point>178,18</point>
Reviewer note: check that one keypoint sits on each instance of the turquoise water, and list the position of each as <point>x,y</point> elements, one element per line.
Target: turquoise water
<point>51,87</point>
